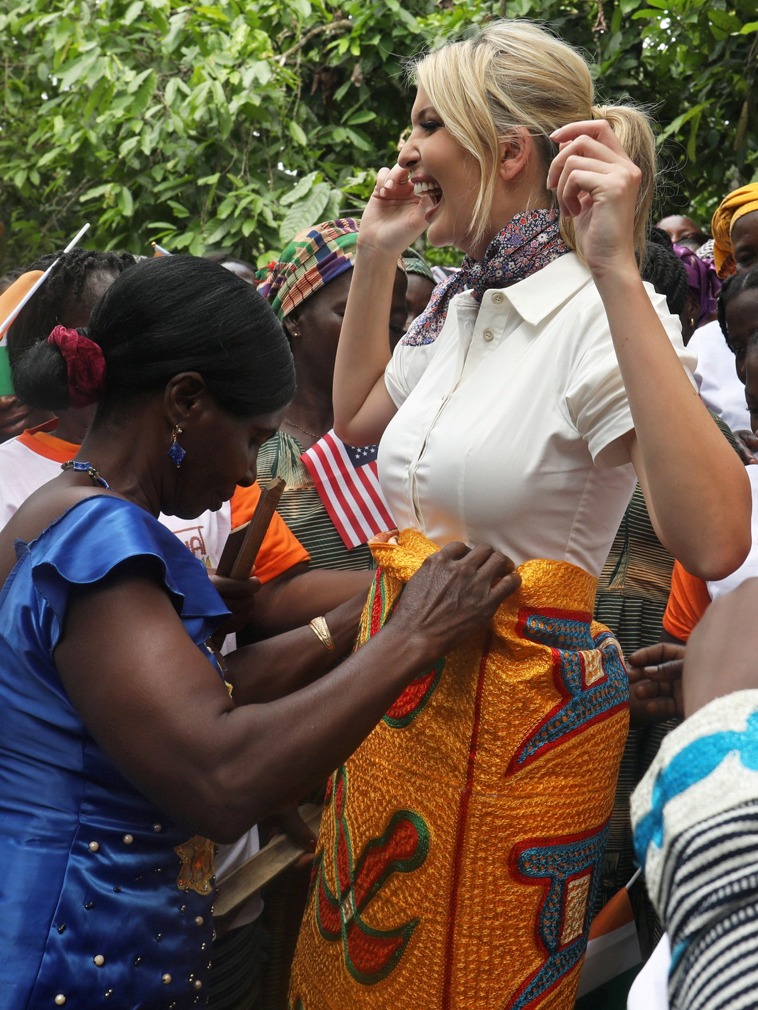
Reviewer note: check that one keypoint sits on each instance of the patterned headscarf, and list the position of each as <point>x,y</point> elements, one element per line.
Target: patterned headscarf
<point>416,264</point>
<point>527,243</point>
<point>312,259</point>
<point>739,202</point>
<point>703,281</point>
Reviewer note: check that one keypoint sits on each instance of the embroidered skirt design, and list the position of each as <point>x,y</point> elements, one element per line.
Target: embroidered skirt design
<point>461,843</point>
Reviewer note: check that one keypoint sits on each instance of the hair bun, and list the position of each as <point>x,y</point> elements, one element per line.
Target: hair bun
<point>85,365</point>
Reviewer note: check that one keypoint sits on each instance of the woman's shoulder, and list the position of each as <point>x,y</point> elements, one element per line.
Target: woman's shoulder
<point>100,532</point>
<point>104,523</point>
<point>85,535</point>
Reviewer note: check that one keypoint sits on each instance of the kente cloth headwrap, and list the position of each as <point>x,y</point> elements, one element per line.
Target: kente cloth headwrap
<point>528,243</point>
<point>416,264</point>
<point>312,259</point>
<point>85,365</point>
<point>702,279</point>
<point>740,202</point>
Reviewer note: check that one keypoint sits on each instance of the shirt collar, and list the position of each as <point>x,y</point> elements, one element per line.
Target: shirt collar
<point>536,297</point>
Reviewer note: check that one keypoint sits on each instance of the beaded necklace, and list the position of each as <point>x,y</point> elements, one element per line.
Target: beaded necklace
<point>81,466</point>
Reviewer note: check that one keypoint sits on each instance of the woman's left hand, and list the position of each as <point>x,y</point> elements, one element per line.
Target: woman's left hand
<point>596,184</point>
<point>14,417</point>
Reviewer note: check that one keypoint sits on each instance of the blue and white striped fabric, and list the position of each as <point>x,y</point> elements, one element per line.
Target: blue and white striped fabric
<point>695,817</point>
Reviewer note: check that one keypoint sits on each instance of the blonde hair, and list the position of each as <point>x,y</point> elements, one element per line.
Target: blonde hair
<point>514,75</point>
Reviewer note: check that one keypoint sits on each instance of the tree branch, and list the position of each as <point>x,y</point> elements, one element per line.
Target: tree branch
<point>333,26</point>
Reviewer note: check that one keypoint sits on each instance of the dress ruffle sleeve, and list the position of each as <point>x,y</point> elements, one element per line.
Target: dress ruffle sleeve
<point>89,541</point>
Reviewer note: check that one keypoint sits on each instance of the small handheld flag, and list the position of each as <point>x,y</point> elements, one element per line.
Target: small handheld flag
<point>23,292</point>
<point>347,481</point>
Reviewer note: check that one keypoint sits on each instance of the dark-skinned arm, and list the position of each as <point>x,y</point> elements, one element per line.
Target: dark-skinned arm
<point>277,666</point>
<point>655,683</point>
<point>301,593</point>
<point>165,718</point>
<point>722,648</point>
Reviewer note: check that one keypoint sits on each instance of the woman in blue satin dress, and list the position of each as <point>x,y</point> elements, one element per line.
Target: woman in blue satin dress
<point>124,744</point>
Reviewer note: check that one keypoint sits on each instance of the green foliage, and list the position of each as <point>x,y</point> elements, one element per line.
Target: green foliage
<point>231,125</point>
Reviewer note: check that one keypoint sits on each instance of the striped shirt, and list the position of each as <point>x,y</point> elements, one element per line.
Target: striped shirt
<point>695,816</point>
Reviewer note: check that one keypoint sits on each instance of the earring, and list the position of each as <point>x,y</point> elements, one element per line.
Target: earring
<point>175,452</point>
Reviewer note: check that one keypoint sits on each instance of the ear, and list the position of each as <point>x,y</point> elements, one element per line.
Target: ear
<point>185,397</point>
<point>515,152</point>
<point>292,327</point>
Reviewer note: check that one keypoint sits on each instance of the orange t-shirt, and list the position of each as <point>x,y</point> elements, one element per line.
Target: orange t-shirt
<point>280,549</point>
<point>688,600</point>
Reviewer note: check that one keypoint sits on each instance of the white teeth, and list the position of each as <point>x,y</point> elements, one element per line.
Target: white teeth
<point>420,188</point>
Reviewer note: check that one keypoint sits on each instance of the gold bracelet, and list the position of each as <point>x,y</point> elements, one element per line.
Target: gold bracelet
<point>321,631</point>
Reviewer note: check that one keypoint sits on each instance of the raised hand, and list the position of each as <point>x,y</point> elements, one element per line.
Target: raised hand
<point>15,416</point>
<point>394,216</point>
<point>597,184</point>
<point>239,597</point>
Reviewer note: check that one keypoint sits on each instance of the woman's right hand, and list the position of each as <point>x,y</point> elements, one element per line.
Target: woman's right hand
<point>455,592</point>
<point>747,445</point>
<point>655,683</point>
<point>394,216</point>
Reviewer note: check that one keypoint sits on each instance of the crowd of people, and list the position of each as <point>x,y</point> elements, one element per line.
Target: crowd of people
<point>490,628</point>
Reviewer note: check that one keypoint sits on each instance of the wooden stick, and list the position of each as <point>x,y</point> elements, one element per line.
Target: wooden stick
<point>280,853</point>
<point>243,543</point>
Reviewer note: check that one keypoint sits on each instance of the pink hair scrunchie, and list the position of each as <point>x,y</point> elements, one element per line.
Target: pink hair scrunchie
<point>85,365</point>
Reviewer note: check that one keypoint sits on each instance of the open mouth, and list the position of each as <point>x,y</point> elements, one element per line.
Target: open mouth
<point>428,189</point>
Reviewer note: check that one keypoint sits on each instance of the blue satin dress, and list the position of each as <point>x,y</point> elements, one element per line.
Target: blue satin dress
<point>91,914</point>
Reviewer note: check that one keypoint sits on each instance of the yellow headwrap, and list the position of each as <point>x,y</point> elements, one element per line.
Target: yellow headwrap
<point>734,206</point>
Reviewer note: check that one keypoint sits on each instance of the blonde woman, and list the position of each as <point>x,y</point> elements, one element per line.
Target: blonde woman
<point>543,379</point>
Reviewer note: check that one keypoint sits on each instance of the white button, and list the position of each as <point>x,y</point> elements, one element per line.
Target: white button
<point>498,297</point>
<point>489,334</point>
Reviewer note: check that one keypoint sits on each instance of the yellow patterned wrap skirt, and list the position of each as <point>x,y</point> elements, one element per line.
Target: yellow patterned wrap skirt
<point>461,843</point>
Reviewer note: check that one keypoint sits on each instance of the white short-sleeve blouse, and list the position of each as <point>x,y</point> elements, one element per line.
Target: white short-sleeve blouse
<point>508,426</point>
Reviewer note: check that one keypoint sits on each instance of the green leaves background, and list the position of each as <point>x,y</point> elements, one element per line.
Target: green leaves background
<point>232,125</point>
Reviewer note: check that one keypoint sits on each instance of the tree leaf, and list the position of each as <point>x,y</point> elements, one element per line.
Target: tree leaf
<point>125,201</point>
<point>297,133</point>
<point>133,11</point>
<point>299,190</point>
<point>305,213</point>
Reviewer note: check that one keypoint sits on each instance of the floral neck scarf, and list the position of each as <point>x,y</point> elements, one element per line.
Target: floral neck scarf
<point>527,244</point>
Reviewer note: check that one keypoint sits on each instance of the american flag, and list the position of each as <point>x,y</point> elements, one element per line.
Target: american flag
<point>347,480</point>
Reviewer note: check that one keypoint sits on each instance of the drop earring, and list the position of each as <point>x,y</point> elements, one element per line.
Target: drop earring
<point>175,452</point>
